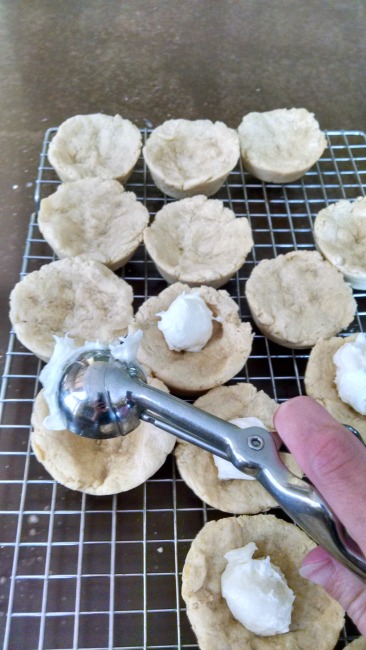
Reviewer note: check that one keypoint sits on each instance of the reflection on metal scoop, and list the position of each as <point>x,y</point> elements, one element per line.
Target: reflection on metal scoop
<point>101,397</point>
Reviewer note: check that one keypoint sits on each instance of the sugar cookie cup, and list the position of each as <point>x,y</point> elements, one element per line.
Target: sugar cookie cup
<point>93,218</point>
<point>280,146</point>
<point>192,373</point>
<point>198,241</point>
<point>197,467</point>
<point>99,467</point>
<point>81,298</point>
<point>95,145</point>
<point>298,298</point>
<point>317,619</point>
<point>188,157</point>
<point>340,235</point>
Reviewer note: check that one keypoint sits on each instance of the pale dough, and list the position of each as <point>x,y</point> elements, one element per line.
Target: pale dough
<point>198,241</point>
<point>95,145</point>
<point>93,218</point>
<point>320,383</point>
<point>188,157</point>
<point>194,372</point>
<point>72,296</point>
<point>357,644</point>
<point>280,146</point>
<point>316,619</point>
<point>197,467</point>
<point>340,234</point>
<point>298,298</point>
<point>99,466</point>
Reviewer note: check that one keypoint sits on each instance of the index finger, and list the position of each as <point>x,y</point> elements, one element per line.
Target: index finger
<point>331,457</point>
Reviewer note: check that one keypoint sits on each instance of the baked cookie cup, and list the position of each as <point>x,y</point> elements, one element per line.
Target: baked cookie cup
<point>340,235</point>
<point>95,219</point>
<point>357,644</point>
<point>280,146</point>
<point>92,145</point>
<point>74,296</point>
<point>317,620</point>
<point>99,467</point>
<point>298,298</point>
<point>188,157</point>
<point>192,373</point>
<point>198,469</point>
<point>320,383</point>
<point>198,241</point>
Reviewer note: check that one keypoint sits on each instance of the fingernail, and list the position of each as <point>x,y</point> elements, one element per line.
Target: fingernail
<point>318,572</point>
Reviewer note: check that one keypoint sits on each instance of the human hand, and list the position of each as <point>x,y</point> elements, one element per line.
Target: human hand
<point>335,462</point>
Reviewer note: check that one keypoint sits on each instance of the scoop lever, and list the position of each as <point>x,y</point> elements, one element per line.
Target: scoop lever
<point>100,397</point>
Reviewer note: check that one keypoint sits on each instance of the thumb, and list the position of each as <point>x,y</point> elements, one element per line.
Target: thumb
<point>331,457</point>
<point>342,585</point>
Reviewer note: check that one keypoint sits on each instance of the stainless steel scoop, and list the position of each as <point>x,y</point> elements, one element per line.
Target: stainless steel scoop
<point>100,397</point>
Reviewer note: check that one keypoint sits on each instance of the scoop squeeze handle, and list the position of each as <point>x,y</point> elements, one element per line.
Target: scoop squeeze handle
<point>254,452</point>
<point>100,397</point>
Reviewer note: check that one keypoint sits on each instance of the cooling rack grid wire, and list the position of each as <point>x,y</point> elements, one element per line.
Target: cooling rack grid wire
<point>82,572</point>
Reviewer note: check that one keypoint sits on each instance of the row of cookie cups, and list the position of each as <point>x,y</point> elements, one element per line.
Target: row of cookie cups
<point>188,157</point>
<point>295,295</point>
<point>176,242</point>
<point>195,240</point>
<point>222,359</point>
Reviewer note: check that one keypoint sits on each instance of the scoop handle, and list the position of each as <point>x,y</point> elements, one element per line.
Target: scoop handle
<point>305,505</point>
<point>254,452</point>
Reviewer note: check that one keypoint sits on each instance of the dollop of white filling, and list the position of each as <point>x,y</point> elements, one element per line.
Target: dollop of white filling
<point>350,379</point>
<point>228,471</point>
<point>256,592</point>
<point>65,350</point>
<point>187,323</point>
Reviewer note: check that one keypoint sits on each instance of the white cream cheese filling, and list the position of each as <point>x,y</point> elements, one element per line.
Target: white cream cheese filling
<point>256,592</point>
<point>350,379</point>
<point>187,323</point>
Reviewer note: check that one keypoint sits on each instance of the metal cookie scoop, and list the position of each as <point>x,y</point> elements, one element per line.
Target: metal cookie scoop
<point>101,397</point>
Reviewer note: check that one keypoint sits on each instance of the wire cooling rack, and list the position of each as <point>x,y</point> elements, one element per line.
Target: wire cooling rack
<point>82,572</point>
